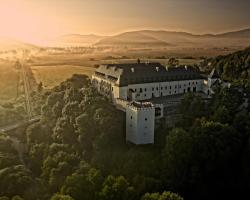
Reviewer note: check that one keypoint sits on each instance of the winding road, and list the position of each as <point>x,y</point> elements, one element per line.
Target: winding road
<point>14,126</point>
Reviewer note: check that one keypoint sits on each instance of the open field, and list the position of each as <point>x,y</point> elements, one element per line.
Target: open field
<point>51,76</point>
<point>51,69</point>
<point>9,79</point>
<point>162,61</point>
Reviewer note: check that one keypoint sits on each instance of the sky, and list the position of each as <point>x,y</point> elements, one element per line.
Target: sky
<point>37,20</point>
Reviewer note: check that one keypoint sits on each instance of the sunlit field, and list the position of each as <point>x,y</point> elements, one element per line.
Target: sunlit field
<point>9,79</point>
<point>51,76</point>
<point>53,67</point>
<point>162,61</point>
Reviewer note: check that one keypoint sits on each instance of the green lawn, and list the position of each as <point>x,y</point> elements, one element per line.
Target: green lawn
<point>51,76</point>
<point>9,78</point>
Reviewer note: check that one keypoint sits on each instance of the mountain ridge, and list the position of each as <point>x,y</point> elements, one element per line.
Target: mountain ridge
<point>174,38</point>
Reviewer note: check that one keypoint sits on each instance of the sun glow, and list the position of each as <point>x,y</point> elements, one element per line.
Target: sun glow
<point>21,20</point>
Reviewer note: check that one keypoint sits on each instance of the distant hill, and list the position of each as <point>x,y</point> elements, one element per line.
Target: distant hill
<point>186,43</point>
<point>77,39</point>
<point>7,44</point>
<point>178,39</point>
<point>134,39</point>
<point>245,33</point>
<point>159,38</point>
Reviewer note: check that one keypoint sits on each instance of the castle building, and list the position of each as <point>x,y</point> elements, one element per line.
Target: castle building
<point>133,86</point>
<point>140,121</point>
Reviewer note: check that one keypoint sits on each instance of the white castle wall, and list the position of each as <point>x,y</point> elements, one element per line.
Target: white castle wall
<point>140,121</point>
<point>149,90</point>
<point>146,91</point>
<point>140,125</point>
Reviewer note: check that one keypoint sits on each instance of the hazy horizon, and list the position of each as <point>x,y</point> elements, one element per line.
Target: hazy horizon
<point>36,21</point>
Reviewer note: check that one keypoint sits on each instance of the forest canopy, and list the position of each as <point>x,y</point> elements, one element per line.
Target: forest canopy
<point>78,151</point>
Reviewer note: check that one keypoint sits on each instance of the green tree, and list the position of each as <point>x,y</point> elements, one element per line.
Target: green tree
<point>4,198</point>
<point>17,198</point>
<point>61,197</point>
<point>172,62</point>
<point>15,180</point>
<point>60,163</point>
<point>116,188</point>
<point>177,155</point>
<point>203,159</point>
<point>191,108</point>
<point>222,115</point>
<point>84,183</point>
<point>40,87</point>
<point>163,196</point>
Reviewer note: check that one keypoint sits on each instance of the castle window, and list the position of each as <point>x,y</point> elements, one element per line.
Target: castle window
<point>131,117</point>
<point>161,88</point>
<point>140,89</point>
<point>145,89</point>
<point>146,119</point>
<point>170,87</point>
<point>156,88</point>
<point>145,95</point>
<point>153,89</point>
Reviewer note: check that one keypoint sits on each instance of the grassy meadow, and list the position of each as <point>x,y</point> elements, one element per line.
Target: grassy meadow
<point>51,76</point>
<point>9,79</point>
<point>51,69</point>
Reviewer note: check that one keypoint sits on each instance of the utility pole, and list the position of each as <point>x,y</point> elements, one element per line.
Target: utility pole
<point>26,85</point>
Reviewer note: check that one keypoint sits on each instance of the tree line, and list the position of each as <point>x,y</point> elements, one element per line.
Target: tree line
<point>78,150</point>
